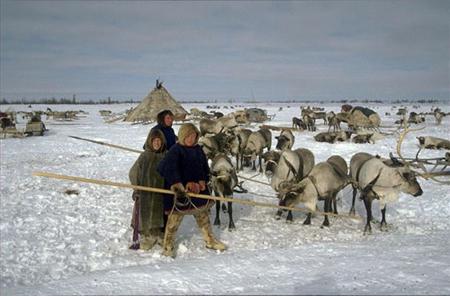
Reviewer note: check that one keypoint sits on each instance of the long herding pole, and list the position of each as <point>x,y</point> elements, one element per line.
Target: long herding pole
<point>106,144</point>
<point>164,191</point>
<point>140,151</point>
<point>256,181</point>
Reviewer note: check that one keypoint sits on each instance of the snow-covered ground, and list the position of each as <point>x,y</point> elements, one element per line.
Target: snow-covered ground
<point>55,243</point>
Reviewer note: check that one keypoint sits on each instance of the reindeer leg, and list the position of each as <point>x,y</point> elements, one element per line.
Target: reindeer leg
<point>383,226</point>
<point>334,204</point>
<point>326,209</point>
<point>224,208</point>
<point>254,165</point>
<point>289,217</point>
<point>278,214</point>
<point>237,162</point>
<point>217,220</point>
<point>308,219</point>
<point>260,163</point>
<point>230,216</point>
<point>368,204</point>
<point>352,209</point>
<point>280,211</point>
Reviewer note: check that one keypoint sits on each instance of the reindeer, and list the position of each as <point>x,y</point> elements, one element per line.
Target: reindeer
<point>415,118</point>
<point>310,122</point>
<point>320,115</point>
<point>285,140</point>
<point>271,159</point>
<point>433,143</point>
<point>195,112</point>
<point>223,181</point>
<point>438,115</point>
<point>402,111</point>
<point>216,114</point>
<point>215,144</point>
<point>257,141</point>
<point>375,179</point>
<point>237,143</point>
<point>333,121</point>
<point>333,137</point>
<point>241,116</point>
<point>324,182</point>
<point>223,124</point>
<point>292,165</point>
<point>298,123</point>
<point>314,115</point>
<point>363,139</point>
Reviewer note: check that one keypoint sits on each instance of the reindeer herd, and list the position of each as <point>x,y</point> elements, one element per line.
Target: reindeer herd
<point>296,178</point>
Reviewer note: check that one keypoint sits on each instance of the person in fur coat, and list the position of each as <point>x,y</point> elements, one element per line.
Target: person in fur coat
<point>185,169</point>
<point>165,121</point>
<point>143,173</point>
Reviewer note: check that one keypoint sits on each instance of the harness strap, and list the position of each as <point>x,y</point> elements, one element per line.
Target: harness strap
<point>359,169</point>
<point>369,187</point>
<point>339,172</point>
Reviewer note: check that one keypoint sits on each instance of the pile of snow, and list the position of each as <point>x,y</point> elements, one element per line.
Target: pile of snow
<point>55,243</point>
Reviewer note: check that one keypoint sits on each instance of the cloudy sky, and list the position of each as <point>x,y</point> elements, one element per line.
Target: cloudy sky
<point>264,50</point>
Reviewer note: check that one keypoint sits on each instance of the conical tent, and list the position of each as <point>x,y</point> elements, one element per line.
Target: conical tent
<point>157,100</point>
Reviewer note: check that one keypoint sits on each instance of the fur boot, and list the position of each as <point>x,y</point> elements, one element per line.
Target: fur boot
<point>204,224</point>
<point>147,242</point>
<point>173,222</point>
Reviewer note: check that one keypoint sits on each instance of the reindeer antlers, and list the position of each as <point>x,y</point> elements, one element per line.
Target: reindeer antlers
<point>426,175</point>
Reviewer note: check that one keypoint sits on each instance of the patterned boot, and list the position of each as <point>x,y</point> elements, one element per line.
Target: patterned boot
<point>147,242</point>
<point>173,223</point>
<point>204,224</point>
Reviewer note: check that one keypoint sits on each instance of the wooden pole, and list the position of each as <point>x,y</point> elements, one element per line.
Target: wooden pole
<point>256,181</point>
<point>165,191</point>
<point>106,144</point>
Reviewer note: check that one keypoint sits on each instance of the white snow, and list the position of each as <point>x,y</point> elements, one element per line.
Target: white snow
<point>55,243</point>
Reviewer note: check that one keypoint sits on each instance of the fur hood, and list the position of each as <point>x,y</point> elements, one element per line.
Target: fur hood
<point>185,130</point>
<point>155,133</point>
<point>161,115</point>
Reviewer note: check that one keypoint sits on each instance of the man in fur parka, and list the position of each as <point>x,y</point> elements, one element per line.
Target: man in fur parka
<point>143,173</point>
<point>185,169</point>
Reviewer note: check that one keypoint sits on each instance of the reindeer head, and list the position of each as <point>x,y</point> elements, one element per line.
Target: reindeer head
<point>421,140</point>
<point>291,193</point>
<point>233,144</point>
<point>271,159</point>
<point>409,181</point>
<point>283,142</point>
<point>223,182</point>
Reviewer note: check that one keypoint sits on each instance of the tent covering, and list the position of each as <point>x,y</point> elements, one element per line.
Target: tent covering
<point>157,100</point>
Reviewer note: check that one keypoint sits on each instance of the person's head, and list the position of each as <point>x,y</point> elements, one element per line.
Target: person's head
<point>155,141</point>
<point>165,118</point>
<point>188,135</point>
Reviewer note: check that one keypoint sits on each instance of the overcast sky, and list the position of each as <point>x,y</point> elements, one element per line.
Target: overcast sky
<point>263,50</point>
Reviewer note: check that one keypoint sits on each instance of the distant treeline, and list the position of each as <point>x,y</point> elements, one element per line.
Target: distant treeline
<point>54,101</point>
<point>396,101</point>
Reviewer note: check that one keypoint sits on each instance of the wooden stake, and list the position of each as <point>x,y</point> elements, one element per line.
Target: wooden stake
<point>202,196</point>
